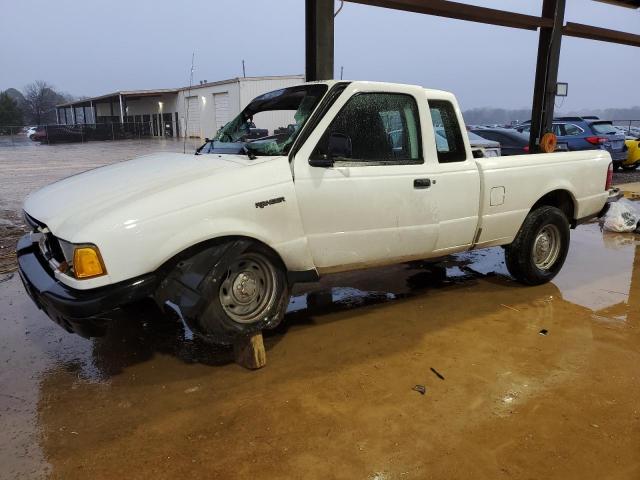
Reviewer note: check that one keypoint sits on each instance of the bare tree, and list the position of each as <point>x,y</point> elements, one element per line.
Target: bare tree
<point>40,102</point>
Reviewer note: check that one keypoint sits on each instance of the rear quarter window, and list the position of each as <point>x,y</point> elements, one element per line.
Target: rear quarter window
<point>450,145</point>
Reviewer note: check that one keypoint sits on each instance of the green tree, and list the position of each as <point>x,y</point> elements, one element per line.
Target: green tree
<point>10,114</point>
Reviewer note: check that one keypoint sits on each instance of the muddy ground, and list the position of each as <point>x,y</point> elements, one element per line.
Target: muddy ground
<point>520,383</point>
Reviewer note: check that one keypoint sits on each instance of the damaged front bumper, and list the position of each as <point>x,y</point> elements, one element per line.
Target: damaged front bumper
<point>85,312</point>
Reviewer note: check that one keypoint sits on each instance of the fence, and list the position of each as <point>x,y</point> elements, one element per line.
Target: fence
<point>50,134</point>
<point>631,127</point>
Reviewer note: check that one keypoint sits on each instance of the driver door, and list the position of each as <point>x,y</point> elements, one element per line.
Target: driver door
<point>361,185</point>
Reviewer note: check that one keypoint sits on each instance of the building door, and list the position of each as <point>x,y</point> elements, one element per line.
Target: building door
<point>156,131</point>
<point>193,117</point>
<point>221,109</point>
<point>167,124</point>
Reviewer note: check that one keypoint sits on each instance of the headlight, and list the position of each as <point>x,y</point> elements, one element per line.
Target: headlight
<point>82,260</point>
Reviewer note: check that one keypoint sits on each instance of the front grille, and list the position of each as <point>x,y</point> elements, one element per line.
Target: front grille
<point>53,246</point>
<point>49,244</point>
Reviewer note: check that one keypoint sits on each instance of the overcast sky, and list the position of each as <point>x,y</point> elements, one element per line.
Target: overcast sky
<point>91,48</point>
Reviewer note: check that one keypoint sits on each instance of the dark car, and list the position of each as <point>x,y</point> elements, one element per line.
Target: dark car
<point>39,134</point>
<point>511,141</point>
<point>588,133</point>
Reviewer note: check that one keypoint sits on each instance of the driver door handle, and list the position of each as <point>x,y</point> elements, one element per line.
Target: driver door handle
<point>422,183</point>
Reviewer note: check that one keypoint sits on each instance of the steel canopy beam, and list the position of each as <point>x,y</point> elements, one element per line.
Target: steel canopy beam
<point>603,34</point>
<point>463,11</point>
<point>319,39</point>
<point>544,93</point>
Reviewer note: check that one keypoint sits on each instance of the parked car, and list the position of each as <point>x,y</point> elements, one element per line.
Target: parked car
<point>39,134</point>
<point>218,239</point>
<point>30,131</point>
<point>489,148</point>
<point>588,133</point>
<point>511,141</point>
<point>629,130</point>
<point>633,154</point>
<point>61,133</point>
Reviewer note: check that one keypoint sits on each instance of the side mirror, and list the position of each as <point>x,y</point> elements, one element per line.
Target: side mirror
<point>338,146</point>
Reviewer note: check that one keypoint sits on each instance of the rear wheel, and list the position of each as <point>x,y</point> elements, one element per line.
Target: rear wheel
<point>630,167</point>
<point>540,248</point>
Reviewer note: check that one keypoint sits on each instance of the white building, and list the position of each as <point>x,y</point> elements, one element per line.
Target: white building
<point>199,110</point>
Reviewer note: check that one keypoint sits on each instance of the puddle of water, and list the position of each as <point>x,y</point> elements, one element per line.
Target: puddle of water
<point>463,312</point>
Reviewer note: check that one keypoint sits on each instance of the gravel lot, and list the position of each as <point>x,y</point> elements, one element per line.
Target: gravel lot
<point>27,166</point>
<point>622,176</point>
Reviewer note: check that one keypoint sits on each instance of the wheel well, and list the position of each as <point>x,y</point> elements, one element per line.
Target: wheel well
<point>560,199</point>
<point>198,247</point>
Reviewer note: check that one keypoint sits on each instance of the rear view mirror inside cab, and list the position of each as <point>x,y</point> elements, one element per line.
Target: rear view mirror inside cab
<point>340,145</point>
<point>335,145</point>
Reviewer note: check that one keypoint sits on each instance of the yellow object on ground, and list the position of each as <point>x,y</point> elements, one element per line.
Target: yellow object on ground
<point>633,154</point>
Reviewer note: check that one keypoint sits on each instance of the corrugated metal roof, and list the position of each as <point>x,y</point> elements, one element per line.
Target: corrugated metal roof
<point>163,91</point>
<point>124,93</point>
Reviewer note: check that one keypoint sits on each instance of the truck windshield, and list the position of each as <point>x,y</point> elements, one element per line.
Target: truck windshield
<point>269,124</point>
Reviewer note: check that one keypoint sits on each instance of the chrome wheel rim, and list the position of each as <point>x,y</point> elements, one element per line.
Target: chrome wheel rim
<point>248,289</point>
<point>546,247</point>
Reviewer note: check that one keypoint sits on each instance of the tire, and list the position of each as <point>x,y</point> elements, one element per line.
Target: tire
<point>545,231</point>
<point>630,168</point>
<point>245,292</point>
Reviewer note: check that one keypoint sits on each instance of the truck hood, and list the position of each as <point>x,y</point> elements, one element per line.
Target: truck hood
<point>75,201</point>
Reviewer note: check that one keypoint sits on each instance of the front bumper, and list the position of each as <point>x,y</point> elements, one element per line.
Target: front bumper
<point>85,312</point>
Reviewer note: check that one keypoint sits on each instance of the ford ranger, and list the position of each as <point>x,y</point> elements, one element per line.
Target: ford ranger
<point>357,180</point>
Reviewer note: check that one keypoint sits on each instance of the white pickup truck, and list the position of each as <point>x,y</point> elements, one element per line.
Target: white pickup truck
<point>357,180</point>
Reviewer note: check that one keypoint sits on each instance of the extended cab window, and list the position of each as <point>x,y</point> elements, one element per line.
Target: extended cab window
<point>449,142</point>
<point>374,128</point>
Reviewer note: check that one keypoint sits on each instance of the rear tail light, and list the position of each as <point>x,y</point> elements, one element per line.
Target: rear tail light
<point>596,140</point>
<point>609,177</point>
<point>526,148</point>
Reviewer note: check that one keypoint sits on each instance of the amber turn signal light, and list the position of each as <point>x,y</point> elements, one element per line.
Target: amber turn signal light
<point>87,262</point>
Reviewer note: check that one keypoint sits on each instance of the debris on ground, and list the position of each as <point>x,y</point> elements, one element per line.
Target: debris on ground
<point>621,217</point>
<point>421,389</point>
<point>438,374</point>
<point>510,308</point>
<point>544,331</point>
